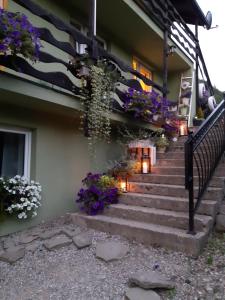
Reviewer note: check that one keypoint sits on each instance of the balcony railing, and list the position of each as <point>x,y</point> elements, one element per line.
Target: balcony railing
<point>61,79</point>
<point>167,17</point>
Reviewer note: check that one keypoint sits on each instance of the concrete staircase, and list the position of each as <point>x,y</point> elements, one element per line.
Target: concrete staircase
<point>155,210</point>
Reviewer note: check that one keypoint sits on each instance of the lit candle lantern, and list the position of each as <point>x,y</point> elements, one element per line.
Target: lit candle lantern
<point>145,161</point>
<point>182,132</point>
<point>145,168</point>
<point>123,185</point>
<point>183,127</point>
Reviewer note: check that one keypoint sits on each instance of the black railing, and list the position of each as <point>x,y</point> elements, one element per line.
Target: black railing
<point>203,151</point>
<point>167,17</point>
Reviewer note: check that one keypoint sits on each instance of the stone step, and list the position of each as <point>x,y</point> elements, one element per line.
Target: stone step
<point>170,162</point>
<point>175,148</point>
<point>212,193</point>
<point>156,235</point>
<point>207,207</point>
<point>182,139</point>
<point>219,172</point>
<point>162,170</point>
<point>158,216</point>
<point>173,179</point>
<point>170,154</point>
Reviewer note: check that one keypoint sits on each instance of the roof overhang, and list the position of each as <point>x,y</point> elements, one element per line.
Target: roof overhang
<point>191,12</point>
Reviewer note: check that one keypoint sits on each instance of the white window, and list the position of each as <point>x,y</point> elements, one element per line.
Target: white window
<point>15,152</point>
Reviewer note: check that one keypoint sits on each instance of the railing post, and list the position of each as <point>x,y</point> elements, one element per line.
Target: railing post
<point>189,181</point>
<point>224,111</point>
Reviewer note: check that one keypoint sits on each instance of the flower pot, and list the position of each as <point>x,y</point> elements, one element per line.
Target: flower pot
<point>198,122</point>
<point>184,111</point>
<point>84,71</point>
<point>161,149</point>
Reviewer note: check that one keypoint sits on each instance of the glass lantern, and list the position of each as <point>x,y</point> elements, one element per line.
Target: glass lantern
<point>145,161</point>
<point>183,127</point>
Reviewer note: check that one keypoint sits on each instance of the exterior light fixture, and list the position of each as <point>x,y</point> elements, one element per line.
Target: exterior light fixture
<point>123,185</point>
<point>183,127</point>
<point>171,50</point>
<point>145,161</point>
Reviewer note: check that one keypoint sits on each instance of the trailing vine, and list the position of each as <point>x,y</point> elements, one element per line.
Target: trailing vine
<point>98,80</point>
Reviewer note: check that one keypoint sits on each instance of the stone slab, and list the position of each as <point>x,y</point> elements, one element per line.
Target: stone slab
<point>83,240</point>
<point>140,294</point>
<point>26,239</point>
<point>12,254</point>
<point>150,280</point>
<point>9,243</point>
<point>222,209</point>
<point>220,223</point>
<point>32,247</point>
<point>71,232</point>
<point>57,242</point>
<point>49,234</point>
<point>111,250</point>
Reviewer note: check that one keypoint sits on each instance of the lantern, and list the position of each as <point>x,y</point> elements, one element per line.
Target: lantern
<point>145,161</point>
<point>183,127</point>
<point>123,184</point>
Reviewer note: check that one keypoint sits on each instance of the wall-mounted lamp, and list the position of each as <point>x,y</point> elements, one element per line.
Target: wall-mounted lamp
<point>170,50</point>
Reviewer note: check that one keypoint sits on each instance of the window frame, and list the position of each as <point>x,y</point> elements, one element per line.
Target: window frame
<point>140,64</point>
<point>3,3</point>
<point>27,146</point>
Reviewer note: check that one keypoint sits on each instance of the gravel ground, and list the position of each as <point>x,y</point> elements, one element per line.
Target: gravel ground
<point>72,274</point>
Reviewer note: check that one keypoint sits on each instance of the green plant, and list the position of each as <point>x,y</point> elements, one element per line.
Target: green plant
<point>209,260</point>
<point>98,80</point>
<point>171,293</point>
<point>20,197</point>
<point>162,142</point>
<point>18,36</point>
<point>121,169</point>
<point>199,113</point>
<point>125,135</point>
<point>106,181</point>
<point>101,191</point>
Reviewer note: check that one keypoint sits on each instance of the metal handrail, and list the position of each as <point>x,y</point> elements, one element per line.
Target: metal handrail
<point>203,151</point>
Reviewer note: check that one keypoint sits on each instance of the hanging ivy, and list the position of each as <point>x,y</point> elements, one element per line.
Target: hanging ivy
<point>99,79</point>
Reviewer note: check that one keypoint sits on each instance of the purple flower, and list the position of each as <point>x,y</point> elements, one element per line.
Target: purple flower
<point>18,36</point>
<point>95,198</point>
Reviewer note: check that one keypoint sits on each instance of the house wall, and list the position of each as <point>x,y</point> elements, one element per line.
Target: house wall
<point>60,157</point>
<point>60,160</point>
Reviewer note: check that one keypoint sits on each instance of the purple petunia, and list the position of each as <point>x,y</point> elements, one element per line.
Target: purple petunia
<point>18,36</point>
<point>145,105</point>
<point>95,198</point>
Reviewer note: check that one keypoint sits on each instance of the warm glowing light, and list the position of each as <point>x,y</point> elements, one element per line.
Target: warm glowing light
<point>145,168</point>
<point>123,186</point>
<point>182,130</point>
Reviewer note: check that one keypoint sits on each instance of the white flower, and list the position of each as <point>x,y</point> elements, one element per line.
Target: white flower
<point>34,214</point>
<point>20,216</point>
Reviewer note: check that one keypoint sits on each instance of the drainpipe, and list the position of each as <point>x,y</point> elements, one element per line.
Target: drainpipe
<point>93,28</point>
<point>196,67</point>
<point>165,53</point>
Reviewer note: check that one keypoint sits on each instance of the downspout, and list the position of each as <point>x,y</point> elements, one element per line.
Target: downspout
<point>93,28</point>
<point>196,68</point>
<point>165,53</point>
